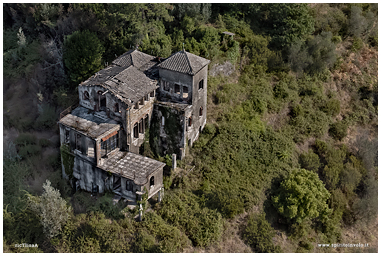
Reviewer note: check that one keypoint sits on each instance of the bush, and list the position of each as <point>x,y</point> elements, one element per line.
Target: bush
<point>338,130</point>
<point>259,234</point>
<point>29,150</point>
<point>310,161</point>
<point>47,117</point>
<point>182,210</point>
<point>25,139</point>
<point>332,107</point>
<point>44,143</point>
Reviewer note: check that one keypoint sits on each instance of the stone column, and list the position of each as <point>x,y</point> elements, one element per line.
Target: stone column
<point>140,212</point>
<point>173,161</point>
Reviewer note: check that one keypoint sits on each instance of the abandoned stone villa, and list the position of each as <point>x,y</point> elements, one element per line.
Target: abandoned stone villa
<point>102,136</point>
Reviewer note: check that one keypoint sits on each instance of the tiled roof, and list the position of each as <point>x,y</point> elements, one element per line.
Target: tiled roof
<point>131,166</point>
<point>128,84</point>
<point>134,58</point>
<point>184,62</point>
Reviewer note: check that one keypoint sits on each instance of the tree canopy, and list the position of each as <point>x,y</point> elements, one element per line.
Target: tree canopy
<point>301,195</point>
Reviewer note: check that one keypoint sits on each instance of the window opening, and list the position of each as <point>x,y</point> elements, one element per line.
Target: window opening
<point>141,129</point>
<point>141,101</point>
<point>152,181</point>
<point>190,121</point>
<point>67,135</point>
<point>152,94</point>
<point>86,95</point>
<point>146,97</point>
<point>185,92</point>
<point>109,145</point>
<point>137,105</point>
<point>117,183</point>
<point>129,185</point>
<point>116,107</point>
<point>90,148</point>
<point>200,112</point>
<point>78,142</point>
<point>201,84</point>
<point>146,122</point>
<point>177,89</point>
<point>136,131</point>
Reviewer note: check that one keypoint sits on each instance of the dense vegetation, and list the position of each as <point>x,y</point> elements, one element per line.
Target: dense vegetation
<point>287,160</point>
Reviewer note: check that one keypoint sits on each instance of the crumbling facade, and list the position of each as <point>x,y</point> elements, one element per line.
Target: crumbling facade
<point>100,139</point>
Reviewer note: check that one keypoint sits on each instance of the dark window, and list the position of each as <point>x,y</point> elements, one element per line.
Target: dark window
<point>201,84</point>
<point>86,95</point>
<point>67,135</point>
<point>200,112</point>
<point>90,148</point>
<point>136,131</point>
<point>141,128</point>
<point>141,102</point>
<point>146,97</point>
<point>146,122</point>
<point>116,107</point>
<point>152,181</point>
<point>109,145</point>
<point>78,138</point>
<point>137,105</point>
<point>185,92</point>
<point>190,121</point>
<point>177,88</point>
<point>152,94</point>
<point>129,185</point>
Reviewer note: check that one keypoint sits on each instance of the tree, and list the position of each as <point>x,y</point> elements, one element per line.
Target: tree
<point>301,195</point>
<point>82,55</point>
<point>285,23</point>
<point>51,208</point>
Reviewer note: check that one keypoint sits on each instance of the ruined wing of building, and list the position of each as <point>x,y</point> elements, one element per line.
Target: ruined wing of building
<point>100,139</point>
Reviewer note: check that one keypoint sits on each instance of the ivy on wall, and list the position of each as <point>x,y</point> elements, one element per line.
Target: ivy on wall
<point>67,159</point>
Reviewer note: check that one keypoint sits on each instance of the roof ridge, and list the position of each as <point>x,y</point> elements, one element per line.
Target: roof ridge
<point>190,66</point>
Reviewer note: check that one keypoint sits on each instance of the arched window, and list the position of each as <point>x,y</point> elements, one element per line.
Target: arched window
<point>129,185</point>
<point>201,84</point>
<point>200,112</point>
<point>86,95</point>
<point>190,121</point>
<point>136,131</point>
<point>146,122</point>
<point>152,181</point>
<point>141,128</point>
<point>116,107</point>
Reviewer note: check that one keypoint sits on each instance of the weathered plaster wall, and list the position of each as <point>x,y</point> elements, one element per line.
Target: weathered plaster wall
<point>134,116</point>
<point>168,79</point>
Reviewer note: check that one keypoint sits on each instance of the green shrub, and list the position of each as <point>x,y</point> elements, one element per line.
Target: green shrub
<point>29,150</point>
<point>357,44</point>
<point>25,139</point>
<point>310,161</point>
<point>47,117</point>
<point>338,130</point>
<point>332,107</point>
<point>259,234</point>
<point>44,142</point>
<point>182,210</point>
<point>169,239</point>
